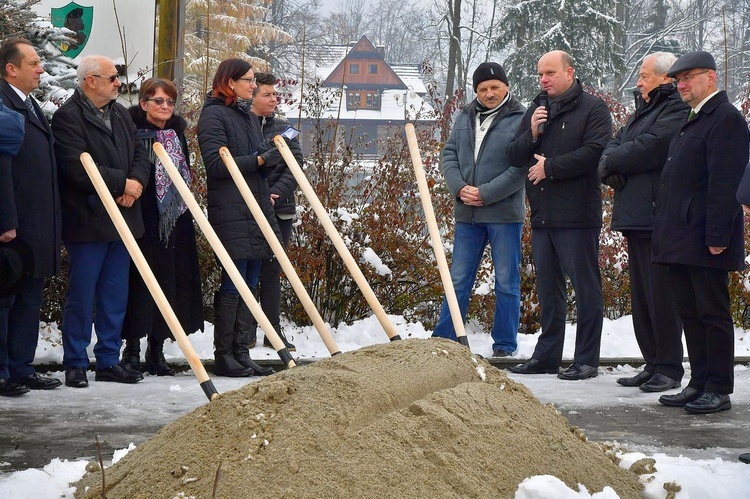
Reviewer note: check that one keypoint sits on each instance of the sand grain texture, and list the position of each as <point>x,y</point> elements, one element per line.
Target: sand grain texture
<point>408,419</point>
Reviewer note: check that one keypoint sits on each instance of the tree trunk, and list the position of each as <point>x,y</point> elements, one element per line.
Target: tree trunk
<point>454,46</point>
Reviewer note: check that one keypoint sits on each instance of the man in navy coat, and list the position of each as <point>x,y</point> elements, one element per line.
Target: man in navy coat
<point>698,229</point>
<point>31,214</point>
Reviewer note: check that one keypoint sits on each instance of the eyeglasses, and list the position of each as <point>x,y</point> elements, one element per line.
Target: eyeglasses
<point>112,78</point>
<point>249,80</point>
<point>159,101</point>
<point>687,78</point>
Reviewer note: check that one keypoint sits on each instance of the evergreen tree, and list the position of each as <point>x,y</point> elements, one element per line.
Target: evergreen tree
<point>57,83</point>
<point>585,30</point>
<point>221,29</point>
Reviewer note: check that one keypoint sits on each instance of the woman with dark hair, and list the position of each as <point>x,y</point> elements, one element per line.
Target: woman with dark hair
<point>169,241</point>
<point>226,121</point>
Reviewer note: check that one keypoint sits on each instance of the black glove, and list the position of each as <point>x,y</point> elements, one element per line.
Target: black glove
<point>271,157</point>
<point>265,145</point>
<point>615,180</point>
<point>602,169</point>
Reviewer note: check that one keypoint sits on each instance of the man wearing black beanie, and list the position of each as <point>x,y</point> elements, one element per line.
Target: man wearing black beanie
<point>488,203</point>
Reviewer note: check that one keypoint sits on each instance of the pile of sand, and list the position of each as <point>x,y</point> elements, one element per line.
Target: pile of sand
<point>412,418</point>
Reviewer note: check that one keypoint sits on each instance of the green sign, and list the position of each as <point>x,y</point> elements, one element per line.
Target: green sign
<point>77,19</point>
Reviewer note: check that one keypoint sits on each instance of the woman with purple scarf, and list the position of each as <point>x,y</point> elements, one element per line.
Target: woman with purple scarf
<point>169,241</point>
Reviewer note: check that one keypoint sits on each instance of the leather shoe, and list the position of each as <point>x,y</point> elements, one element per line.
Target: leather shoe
<point>499,352</point>
<point>679,400</point>
<point>9,388</point>
<point>660,383</point>
<point>118,374</point>
<point>36,382</point>
<point>636,380</point>
<point>533,366</point>
<point>745,458</point>
<point>578,371</point>
<point>708,403</point>
<point>76,377</point>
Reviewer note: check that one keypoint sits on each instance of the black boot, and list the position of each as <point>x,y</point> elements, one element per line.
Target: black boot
<point>244,339</point>
<point>155,361</point>
<point>245,324</point>
<point>289,346</point>
<point>131,355</point>
<point>225,313</point>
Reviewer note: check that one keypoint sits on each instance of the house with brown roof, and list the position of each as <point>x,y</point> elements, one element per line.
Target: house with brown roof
<point>366,96</point>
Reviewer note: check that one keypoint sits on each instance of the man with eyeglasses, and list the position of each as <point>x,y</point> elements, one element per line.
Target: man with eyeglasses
<point>698,229</point>
<point>631,164</point>
<point>91,121</point>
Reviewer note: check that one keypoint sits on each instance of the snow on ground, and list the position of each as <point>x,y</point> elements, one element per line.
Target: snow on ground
<point>699,478</point>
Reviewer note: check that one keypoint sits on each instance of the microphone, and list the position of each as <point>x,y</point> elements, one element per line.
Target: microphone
<point>543,102</point>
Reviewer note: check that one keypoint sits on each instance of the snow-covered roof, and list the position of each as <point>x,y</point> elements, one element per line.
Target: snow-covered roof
<point>396,105</point>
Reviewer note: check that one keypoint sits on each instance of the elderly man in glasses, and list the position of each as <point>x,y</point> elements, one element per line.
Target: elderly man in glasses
<point>698,229</point>
<point>631,164</point>
<point>91,121</point>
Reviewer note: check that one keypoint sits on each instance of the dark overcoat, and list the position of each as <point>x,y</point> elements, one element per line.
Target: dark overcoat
<point>174,261</point>
<point>237,129</point>
<point>279,176</point>
<point>697,205</point>
<point>638,152</point>
<point>33,206</point>
<point>117,154</point>
<point>578,127</point>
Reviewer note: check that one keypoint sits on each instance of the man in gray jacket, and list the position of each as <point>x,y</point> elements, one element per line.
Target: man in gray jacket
<point>488,203</point>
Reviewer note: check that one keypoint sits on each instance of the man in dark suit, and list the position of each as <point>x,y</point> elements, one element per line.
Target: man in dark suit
<point>632,163</point>
<point>91,121</point>
<point>698,229</point>
<point>31,214</point>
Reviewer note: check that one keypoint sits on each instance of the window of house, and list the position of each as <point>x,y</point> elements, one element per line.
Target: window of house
<point>373,69</point>
<point>368,100</point>
<point>354,69</point>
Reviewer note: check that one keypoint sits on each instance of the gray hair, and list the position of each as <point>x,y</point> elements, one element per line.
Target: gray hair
<point>662,61</point>
<point>91,64</point>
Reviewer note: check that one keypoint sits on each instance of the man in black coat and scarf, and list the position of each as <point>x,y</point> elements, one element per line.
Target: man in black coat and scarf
<point>561,137</point>
<point>698,230</point>
<point>631,164</point>
<point>91,121</point>
<point>29,213</point>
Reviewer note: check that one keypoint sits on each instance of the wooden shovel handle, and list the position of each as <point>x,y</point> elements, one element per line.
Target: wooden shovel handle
<point>148,276</point>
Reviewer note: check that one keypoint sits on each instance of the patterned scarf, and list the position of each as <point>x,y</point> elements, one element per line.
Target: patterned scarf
<point>168,200</point>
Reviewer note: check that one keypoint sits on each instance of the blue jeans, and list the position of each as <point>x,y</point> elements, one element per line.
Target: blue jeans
<point>97,276</point>
<point>468,248</point>
<point>249,270</point>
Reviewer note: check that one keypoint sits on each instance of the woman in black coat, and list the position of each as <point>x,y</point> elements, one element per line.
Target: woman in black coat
<point>168,243</point>
<point>226,121</point>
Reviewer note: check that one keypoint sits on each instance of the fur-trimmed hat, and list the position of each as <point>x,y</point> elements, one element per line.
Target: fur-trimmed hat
<point>489,71</point>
